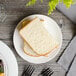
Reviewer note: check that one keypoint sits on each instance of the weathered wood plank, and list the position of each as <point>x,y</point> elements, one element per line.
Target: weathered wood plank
<point>16,11</point>
<point>72,71</point>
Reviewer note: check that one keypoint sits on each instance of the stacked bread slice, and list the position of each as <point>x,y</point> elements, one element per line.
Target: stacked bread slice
<point>27,49</point>
<point>37,40</point>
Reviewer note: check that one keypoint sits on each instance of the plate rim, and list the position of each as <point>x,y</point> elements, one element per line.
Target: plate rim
<point>13,56</point>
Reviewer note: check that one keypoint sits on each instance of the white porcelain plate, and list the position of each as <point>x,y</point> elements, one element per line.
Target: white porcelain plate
<point>51,27</point>
<point>10,63</point>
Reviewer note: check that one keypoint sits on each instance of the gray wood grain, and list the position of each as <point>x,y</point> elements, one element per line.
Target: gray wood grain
<point>68,54</point>
<point>15,11</point>
<point>72,71</point>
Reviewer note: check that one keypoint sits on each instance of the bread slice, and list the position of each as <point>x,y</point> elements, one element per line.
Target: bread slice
<point>28,50</point>
<point>38,37</point>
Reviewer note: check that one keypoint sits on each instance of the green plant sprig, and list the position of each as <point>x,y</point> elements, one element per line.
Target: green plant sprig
<point>53,3</point>
<point>31,2</point>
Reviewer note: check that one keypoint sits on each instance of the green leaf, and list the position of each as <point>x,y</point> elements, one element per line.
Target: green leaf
<point>61,0</point>
<point>31,2</point>
<point>67,3</point>
<point>52,4</point>
<point>41,1</point>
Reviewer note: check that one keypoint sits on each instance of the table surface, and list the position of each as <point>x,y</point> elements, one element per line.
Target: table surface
<point>12,11</point>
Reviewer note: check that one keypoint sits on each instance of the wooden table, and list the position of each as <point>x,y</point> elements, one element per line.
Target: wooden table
<point>12,11</point>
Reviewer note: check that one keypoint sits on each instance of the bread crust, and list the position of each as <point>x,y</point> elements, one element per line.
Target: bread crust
<point>31,54</point>
<point>38,55</point>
